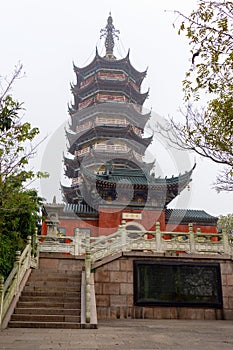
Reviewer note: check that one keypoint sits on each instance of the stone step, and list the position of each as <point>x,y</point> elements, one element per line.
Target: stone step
<point>74,304</point>
<point>50,299</point>
<point>26,324</point>
<point>58,272</point>
<point>52,288</point>
<point>45,318</point>
<point>59,283</point>
<point>55,274</point>
<point>51,294</point>
<point>44,298</point>
<point>47,311</point>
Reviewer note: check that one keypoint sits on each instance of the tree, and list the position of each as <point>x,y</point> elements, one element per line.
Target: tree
<point>226,222</point>
<point>19,206</point>
<point>207,130</point>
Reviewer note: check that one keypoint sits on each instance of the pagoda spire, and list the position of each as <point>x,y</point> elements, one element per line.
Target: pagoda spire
<point>109,32</point>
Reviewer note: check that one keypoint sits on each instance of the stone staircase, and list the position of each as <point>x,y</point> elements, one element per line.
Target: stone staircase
<point>50,299</point>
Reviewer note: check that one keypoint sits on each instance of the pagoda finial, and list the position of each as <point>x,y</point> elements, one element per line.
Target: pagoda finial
<point>109,32</point>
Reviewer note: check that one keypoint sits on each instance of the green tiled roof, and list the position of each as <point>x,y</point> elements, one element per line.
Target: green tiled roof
<point>189,216</point>
<point>79,209</point>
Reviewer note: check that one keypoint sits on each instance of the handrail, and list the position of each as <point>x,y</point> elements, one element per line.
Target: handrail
<point>154,241</point>
<point>10,288</point>
<point>88,279</point>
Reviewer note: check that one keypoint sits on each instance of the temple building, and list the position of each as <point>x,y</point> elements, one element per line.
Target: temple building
<point>109,180</point>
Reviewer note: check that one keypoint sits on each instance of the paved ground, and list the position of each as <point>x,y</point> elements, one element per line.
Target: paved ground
<point>126,335</point>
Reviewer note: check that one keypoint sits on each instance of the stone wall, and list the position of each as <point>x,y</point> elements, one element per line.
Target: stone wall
<point>60,262</point>
<point>114,290</point>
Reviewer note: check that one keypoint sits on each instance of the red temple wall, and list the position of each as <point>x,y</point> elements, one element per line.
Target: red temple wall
<point>185,228</point>
<point>111,218</point>
<point>71,224</point>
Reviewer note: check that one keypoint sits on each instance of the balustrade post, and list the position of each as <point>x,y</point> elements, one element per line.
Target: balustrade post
<point>158,237</point>
<point>1,298</point>
<point>29,242</point>
<point>88,278</point>
<point>17,265</point>
<point>226,245</point>
<point>123,235</point>
<point>77,242</point>
<point>35,248</point>
<point>191,239</point>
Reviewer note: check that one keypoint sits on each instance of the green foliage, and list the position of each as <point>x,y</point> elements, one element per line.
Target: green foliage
<point>226,223</point>
<point>209,31</point>
<point>208,131</point>
<point>19,206</point>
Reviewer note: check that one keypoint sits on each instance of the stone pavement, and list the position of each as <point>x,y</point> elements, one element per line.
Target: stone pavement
<point>125,335</point>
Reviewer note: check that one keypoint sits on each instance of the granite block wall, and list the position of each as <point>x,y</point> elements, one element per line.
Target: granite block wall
<point>114,292</point>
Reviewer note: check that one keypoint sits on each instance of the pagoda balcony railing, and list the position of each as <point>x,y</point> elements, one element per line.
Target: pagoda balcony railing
<point>85,126</point>
<point>116,148</point>
<point>82,151</point>
<point>111,76</point>
<point>101,121</point>
<point>77,180</point>
<point>107,121</point>
<point>138,156</point>
<point>123,240</point>
<point>111,121</point>
<point>111,148</point>
<point>111,98</point>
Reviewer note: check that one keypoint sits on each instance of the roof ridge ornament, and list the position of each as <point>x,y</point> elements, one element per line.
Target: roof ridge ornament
<point>109,33</point>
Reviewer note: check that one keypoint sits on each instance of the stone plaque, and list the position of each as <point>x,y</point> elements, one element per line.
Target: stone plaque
<point>177,284</point>
<point>135,216</point>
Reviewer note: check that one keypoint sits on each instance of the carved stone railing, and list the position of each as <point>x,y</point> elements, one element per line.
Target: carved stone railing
<point>10,288</point>
<point>152,241</point>
<point>62,244</point>
<point>160,242</point>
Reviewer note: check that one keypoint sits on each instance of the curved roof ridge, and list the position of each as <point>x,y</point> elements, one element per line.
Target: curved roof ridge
<point>125,60</point>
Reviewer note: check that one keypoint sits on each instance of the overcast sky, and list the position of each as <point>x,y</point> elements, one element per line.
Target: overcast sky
<point>47,36</point>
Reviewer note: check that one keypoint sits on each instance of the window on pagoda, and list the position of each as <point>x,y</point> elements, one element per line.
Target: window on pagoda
<point>84,126</point>
<point>110,98</point>
<point>134,85</point>
<point>87,81</point>
<point>111,146</point>
<point>111,121</point>
<point>136,130</point>
<point>111,76</point>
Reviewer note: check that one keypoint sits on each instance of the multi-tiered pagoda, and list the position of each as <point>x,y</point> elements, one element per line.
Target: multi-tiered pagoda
<point>109,179</point>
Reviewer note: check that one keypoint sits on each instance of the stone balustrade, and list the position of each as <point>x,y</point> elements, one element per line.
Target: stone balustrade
<point>152,241</point>
<point>9,290</point>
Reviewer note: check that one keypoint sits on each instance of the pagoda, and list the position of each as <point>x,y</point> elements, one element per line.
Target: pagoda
<point>109,179</point>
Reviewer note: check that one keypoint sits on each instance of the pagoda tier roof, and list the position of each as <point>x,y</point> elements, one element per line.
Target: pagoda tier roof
<point>188,216</point>
<point>170,187</point>
<point>71,168</point>
<point>70,161</point>
<point>99,62</point>
<point>71,193</point>
<point>124,132</point>
<point>95,158</point>
<point>128,110</point>
<point>107,86</point>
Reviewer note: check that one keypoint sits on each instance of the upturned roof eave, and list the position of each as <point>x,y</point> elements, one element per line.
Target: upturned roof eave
<point>116,62</point>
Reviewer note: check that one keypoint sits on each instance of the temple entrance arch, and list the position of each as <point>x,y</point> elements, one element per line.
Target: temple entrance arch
<point>134,229</point>
<point>134,226</point>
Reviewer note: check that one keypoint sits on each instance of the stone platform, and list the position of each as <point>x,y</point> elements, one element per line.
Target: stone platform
<point>125,335</point>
